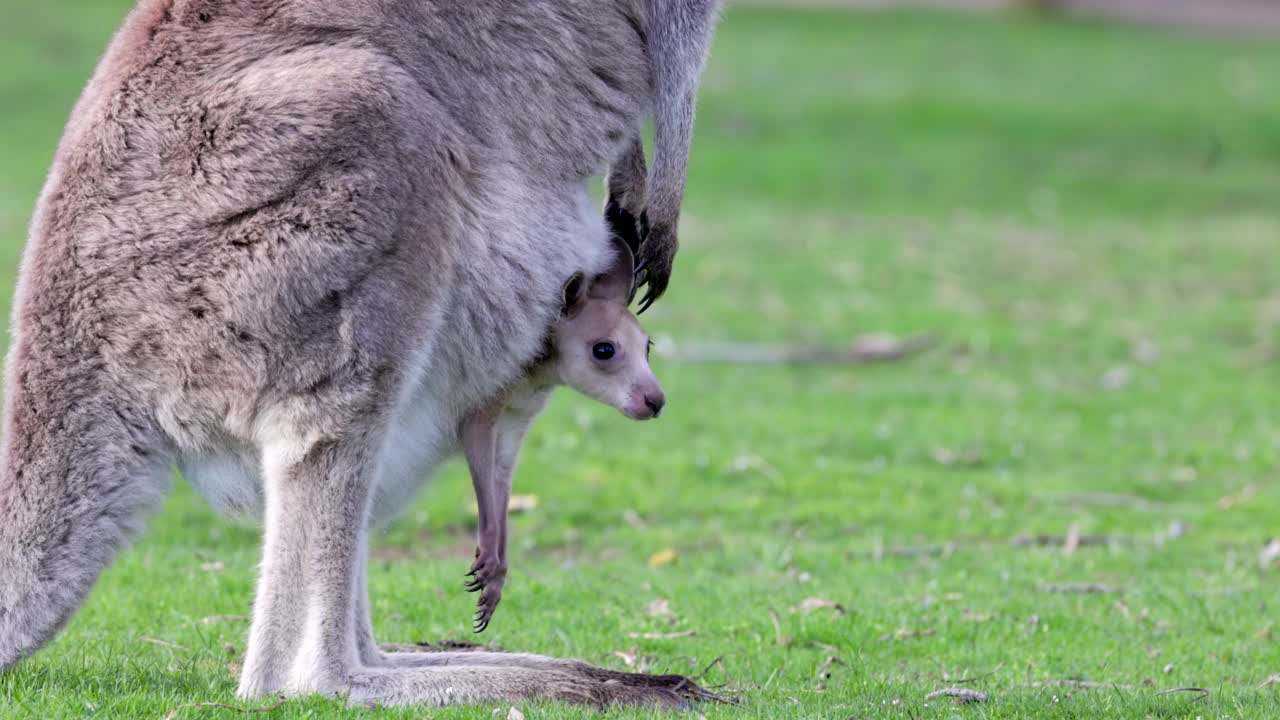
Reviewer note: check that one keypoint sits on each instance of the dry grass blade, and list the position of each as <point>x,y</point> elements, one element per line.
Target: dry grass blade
<point>164,644</point>
<point>660,608</point>
<point>966,458</point>
<point>811,604</point>
<point>1078,588</point>
<point>173,714</point>
<point>1270,553</point>
<point>1273,680</point>
<point>879,553</point>
<point>1077,541</point>
<point>1247,493</point>
<point>1072,540</point>
<point>777,628</point>
<point>1078,684</point>
<point>693,691</point>
<point>633,659</point>
<point>826,666</point>
<point>707,669</point>
<point>222,618</point>
<point>962,695</point>
<point>1201,693</point>
<point>903,633</point>
<point>662,636</point>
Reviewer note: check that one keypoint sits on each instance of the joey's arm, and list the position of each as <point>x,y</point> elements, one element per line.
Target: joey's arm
<point>479,444</point>
<point>491,440</point>
<point>509,434</point>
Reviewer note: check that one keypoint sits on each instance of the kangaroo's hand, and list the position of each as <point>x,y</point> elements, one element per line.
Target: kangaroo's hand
<point>653,264</point>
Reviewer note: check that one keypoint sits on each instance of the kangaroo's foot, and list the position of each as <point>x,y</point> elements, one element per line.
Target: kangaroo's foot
<point>485,677</point>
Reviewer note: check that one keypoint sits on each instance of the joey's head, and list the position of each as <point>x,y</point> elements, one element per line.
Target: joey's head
<point>601,350</point>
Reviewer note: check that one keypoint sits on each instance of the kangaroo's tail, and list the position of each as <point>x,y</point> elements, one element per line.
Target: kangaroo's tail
<point>78,471</point>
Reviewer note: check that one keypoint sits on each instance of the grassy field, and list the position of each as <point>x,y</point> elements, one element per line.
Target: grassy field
<point>1085,217</point>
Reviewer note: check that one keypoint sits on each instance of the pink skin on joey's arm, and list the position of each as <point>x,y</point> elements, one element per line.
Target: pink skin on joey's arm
<point>479,444</point>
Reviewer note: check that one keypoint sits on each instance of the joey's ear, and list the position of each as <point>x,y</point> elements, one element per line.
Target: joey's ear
<point>618,282</point>
<point>573,295</point>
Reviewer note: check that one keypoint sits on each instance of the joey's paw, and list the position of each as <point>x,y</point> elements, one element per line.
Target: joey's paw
<point>486,606</point>
<point>486,569</point>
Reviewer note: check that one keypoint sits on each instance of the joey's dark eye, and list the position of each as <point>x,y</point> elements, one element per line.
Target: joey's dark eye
<point>603,351</point>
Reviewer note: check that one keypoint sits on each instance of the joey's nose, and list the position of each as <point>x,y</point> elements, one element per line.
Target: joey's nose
<point>655,402</point>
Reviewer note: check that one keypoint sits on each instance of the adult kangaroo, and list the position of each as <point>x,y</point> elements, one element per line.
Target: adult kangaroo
<point>288,245</point>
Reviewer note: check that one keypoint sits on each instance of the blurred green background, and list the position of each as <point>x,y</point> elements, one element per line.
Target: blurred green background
<point>1066,503</point>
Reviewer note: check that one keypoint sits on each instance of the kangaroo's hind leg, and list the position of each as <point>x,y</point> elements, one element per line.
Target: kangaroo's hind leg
<point>81,468</point>
<point>305,631</point>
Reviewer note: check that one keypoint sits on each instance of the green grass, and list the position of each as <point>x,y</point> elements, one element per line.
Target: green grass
<point>1086,217</point>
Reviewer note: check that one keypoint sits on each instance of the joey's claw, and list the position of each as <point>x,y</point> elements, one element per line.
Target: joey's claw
<point>480,622</point>
<point>487,605</point>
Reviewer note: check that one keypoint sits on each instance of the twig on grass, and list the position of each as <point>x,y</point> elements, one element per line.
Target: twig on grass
<point>962,695</point>
<point>868,349</point>
<point>173,714</point>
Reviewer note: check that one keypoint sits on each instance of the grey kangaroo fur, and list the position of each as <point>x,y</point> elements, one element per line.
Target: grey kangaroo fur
<point>598,348</point>
<point>289,245</point>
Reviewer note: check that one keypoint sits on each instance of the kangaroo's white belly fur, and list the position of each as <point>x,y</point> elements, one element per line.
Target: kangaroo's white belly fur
<point>423,433</point>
